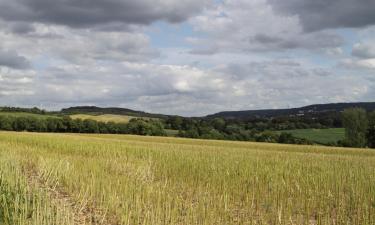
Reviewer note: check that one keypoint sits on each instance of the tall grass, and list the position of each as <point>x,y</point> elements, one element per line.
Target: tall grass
<point>152,180</point>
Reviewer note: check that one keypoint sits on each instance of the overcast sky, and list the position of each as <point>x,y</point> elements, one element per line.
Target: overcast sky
<point>191,57</point>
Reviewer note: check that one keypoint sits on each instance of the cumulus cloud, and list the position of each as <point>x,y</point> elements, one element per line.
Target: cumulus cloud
<point>358,64</point>
<point>246,55</point>
<point>185,90</point>
<point>312,41</point>
<point>364,50</point>
<point>16,84</point>
<point>121,84</point>
<point>363,56</point>
<point>60,43</point>
<point>255,26</point>
<point>96,12</point>
<point>283,83</point>
<point>322,14</point>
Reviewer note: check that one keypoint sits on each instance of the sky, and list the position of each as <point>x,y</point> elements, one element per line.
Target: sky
<point>190,58</point>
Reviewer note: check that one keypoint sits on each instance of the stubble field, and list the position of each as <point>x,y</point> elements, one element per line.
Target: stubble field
<point>117,179</point>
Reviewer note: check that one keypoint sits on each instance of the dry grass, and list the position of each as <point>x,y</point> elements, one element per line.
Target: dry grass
<point>152,180</point>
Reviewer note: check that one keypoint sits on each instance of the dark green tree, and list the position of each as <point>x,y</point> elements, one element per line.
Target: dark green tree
<point>356,124</point>
<point>218,124</point>
<point>286,138</point>
<point>20,124</point>
<point>6,123</point>
<point>371,130</point>
<point>175,122</point>
<point>90,126</point>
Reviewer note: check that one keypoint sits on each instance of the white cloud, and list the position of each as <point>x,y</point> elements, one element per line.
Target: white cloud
<point>364,50</point>
<point>246,55</point>
<point>354,64</point>
<point>245,26</point>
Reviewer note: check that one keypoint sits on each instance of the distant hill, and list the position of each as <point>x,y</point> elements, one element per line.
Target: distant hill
<point>93,110</point>
<point>311,109</point>
<point>315,110</point>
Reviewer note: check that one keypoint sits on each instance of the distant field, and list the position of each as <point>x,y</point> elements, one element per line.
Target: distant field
<point>322,136</point>
<point>104,118</point>
<point>100,118</point>
<point>23,114</point>
<point>69,179</point>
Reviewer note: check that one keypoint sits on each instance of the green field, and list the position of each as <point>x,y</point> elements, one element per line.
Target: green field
<point>65,179</point>
<point>322,136</point>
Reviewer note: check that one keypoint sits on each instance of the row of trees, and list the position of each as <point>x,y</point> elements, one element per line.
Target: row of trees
<point>66,124</point>
<point>191,128</point>
<point>359,128</point>
<point>34,110</point>
<point>222,129</point>
<point>260,124</point>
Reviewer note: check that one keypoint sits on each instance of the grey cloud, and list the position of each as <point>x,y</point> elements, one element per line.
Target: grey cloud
<point>185,90</point>
<point>316,40</point>
<point>91,47</point>
<point>255,26</point>
<point>59,44</point>
<point>20,27</point>
<point>364,50</point>
<point>75,13</point>
<point>204,51</point>
<point>280,83</point>
<point>113,62</point>
<point>15,85</point>
<point>269,71</point>
<point>322,14</point>
<point>12,60</point>
<point>266,39</point>
<point>120,82</point>
<point>358,65</point>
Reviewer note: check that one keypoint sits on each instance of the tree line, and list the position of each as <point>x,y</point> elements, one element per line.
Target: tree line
<point>67,125</point>
<point>358,123</point>
<point>359,126</point>
<point>236,130</point>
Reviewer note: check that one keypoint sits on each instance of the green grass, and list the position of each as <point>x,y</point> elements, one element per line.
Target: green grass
<point>158,181</point>
<point>322,136</point>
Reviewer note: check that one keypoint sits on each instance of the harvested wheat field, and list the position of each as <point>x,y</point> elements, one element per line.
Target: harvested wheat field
<point>59,179</point>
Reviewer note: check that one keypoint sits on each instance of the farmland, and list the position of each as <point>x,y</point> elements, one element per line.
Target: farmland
<point>120,179</point>
<point>25,114</point>
<point>322,136</point>
<point>104,117</point>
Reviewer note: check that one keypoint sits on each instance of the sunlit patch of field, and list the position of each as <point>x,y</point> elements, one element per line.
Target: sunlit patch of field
<point>24,114</point>
<point>120,179</point>
<point>104,118</point>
